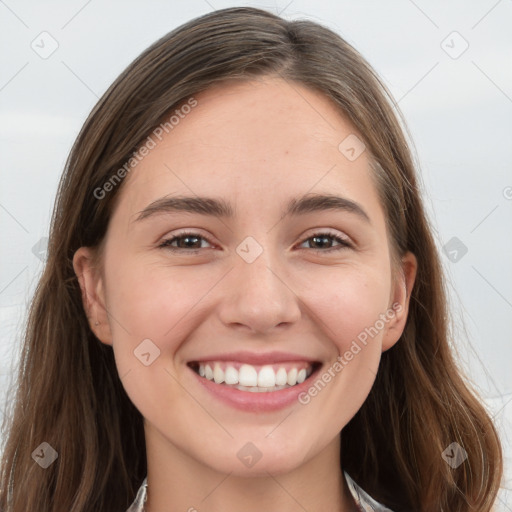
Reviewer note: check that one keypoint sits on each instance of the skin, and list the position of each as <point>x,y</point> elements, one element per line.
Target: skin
<point>256,145</point>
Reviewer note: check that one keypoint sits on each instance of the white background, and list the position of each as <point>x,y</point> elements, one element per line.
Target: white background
<point>459,111</point>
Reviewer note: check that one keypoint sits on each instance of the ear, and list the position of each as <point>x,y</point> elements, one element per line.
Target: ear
<point>400,297</point>
<point>93,298</point>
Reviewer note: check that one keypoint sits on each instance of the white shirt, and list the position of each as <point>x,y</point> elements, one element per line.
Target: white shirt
<point>363,500</point>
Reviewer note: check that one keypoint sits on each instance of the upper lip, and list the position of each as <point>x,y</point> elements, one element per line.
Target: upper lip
<point>255,358</point>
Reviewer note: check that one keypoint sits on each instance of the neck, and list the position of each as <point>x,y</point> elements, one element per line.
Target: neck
<point>178,481</point>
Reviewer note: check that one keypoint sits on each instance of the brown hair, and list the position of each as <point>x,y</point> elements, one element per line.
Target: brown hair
<point>68,391</point>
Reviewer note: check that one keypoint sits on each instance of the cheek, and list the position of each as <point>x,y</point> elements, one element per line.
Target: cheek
<point>151,301</point>
<point>151,310</point>
<point>347,304</point>
<point>347,301</point>
<point>148,301</point>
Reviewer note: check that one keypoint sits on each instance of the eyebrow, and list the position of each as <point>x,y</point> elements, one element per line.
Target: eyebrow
<point>220,208</point>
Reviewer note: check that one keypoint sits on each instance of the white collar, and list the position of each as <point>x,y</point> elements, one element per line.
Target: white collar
<point>363,500</point>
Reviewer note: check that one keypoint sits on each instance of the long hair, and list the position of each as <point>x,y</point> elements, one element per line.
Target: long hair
<point>68,392</point>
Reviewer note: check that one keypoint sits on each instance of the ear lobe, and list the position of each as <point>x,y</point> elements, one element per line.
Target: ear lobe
<point>401,295</point>
<point>93,297</point>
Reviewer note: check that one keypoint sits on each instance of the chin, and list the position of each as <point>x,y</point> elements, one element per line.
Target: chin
<point>258,458</point>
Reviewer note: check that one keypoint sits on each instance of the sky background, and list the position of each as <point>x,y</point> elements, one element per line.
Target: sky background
<point>448,64</point>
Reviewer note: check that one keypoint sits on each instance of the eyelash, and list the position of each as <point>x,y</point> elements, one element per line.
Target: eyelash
<point>344,244</point>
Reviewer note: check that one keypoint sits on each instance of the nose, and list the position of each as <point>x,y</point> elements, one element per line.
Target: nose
<point>257,296</point>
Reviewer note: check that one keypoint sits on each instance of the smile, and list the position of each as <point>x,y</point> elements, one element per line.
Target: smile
<point>256,387</point>
<point>254,378</point>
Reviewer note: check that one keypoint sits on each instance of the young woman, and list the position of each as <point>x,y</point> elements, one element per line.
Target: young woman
<point>243,307</point>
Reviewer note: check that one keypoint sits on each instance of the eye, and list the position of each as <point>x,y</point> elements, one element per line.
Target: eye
<point>323,238</point>
<point>186,242</point>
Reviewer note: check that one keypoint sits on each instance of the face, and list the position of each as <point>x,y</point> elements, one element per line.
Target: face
<point>261,297</point>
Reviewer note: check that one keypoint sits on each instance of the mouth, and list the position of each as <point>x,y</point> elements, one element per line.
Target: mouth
<point>267,378</point>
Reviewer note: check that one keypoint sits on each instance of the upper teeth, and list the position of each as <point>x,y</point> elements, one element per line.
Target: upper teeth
<point>247,375</point>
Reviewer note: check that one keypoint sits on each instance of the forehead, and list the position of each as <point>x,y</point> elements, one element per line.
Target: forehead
<point>268,138</point>
<point>269,116</point>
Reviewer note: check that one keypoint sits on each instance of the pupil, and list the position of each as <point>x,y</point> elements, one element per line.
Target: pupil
<point>188,238</point>
<point>324,238</point>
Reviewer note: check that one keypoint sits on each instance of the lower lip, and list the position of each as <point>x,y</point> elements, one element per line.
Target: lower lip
<point>256,402</point>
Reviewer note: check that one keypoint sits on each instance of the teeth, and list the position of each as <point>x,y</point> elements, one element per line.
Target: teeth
<point>281,377</point>
<point>292,377</point>
<point>247,375</point>
<point>248,378</point>
<point>218,374</point>
<point>230,376</point>
<point>267,377</point>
